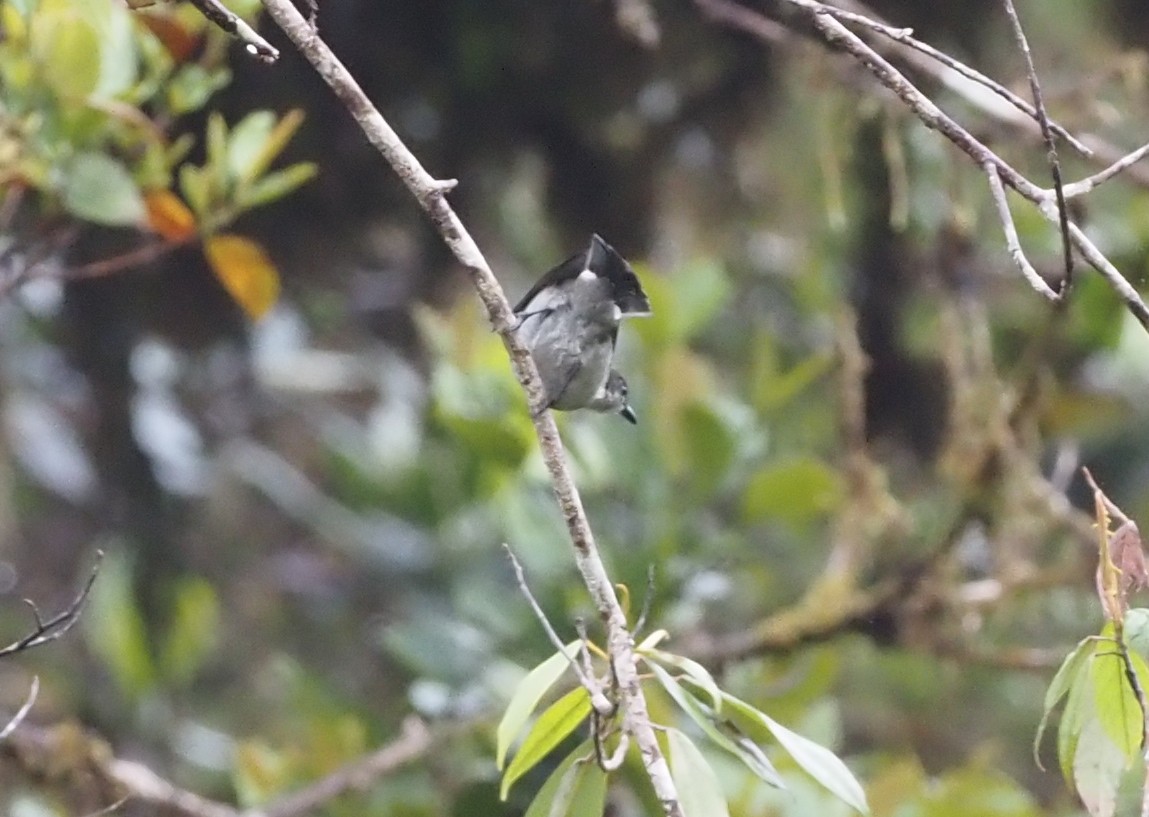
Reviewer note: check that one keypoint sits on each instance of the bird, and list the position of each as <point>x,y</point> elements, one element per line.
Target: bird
<point>569,321</point>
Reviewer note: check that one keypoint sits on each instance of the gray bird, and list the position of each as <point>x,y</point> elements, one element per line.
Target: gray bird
<point>569,320</point>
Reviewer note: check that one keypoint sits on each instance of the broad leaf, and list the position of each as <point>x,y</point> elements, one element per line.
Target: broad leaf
<point>552,727</point>
<point>1118,710</point>
<point>527,696</point>
<point>246,272</point>
<point>168,216</point>
<point>1067,674</point>
<point>100,189</point>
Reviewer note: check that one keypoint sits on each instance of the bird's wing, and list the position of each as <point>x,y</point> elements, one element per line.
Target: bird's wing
<point>563,272</point>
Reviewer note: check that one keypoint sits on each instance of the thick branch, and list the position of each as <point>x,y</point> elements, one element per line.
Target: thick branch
<point>430,194</point>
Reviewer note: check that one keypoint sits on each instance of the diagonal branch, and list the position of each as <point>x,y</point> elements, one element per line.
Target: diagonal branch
<point>838,36</point>
<point>431,195</point>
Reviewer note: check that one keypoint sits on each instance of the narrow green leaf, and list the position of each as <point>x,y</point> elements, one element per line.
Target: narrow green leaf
<point>527,696</point>
<point>195,186</point>
<point>745,750</point>
<point>699,792</point>
<point>693,670</point>
<point>818,761</point>
<point>194,630</point>
<point>275,186</point>
<point>100,189</point>
<point>276,141</point>
<point>555,795</point>
<point>1074,664</point>
<point>1115,703</point>
<point>559,720</point>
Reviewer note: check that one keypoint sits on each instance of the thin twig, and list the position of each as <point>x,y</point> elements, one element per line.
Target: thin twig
<point>1012,242</point>
<point>599,701</point>
<point>413,742</point>
<point>933,117</point>
<point>1050,144</point>
<point>60,624</point>
<point>1080,188</point>
<point>20,715</point>
<point>906,38</point>
<point>234,25</point>
<point>431,197</point>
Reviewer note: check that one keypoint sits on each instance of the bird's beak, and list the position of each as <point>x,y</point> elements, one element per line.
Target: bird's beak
<point>628,413</point>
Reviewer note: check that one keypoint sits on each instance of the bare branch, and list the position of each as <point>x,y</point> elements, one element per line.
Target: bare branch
<point>599,701</point>
<point>619,643</point>
<point>1080,188</point>
<point>413,742</point>
<point>1111,274</point>
<point>234,25</point>
<point>1012,242</point>
<point>60,624</point>
<point>1050,145</point>
<point>905,37</point>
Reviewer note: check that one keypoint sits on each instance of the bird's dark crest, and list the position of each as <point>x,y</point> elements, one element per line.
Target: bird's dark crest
<point>601,259</point>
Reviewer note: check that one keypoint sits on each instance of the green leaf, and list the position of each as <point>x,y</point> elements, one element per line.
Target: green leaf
<point>818,761</point>
<point>1137,631</point>
<point>699,792</point>
<point>194,630</point>
<point>798,491</point>
<point>1067,674</point>
<point>559,720</point>
<point>1114,700</point>
<point>245,143</point>
<point>558,792</point>
<point>710,445</point>
<point>527,696</point>
<point>1078,711</point>
<point>67,48</point>
<point>693,670</point>
<point>589,796</point>
<point>275,142</point>
<point>1097,770</point>
<point>195,186</point>
<point>115,629</point>
<point>100,189</point>
<point>275,186</point>
<point>743,749</point>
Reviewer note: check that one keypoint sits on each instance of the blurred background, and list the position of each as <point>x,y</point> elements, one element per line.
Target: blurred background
<point>846,394</point>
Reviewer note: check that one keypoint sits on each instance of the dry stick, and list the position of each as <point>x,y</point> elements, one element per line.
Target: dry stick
<point>1080,188</point>
<point>599,701</point>
<point>22,713</point>
<point>932,116</point>
<point>430,193</point>
<point>1012,242</point>
<point>906,38</point>
<point>413,742</point>
<point>1050,145</point>
<point>226,19</point>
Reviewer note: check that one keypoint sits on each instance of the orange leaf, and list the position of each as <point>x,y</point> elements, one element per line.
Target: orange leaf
<point>179,41</point>
<point>246,272</point>
<point>168,216</point>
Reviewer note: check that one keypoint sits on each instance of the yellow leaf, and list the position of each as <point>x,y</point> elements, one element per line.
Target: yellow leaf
<point>245,271</point>
<point>169,216</point>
